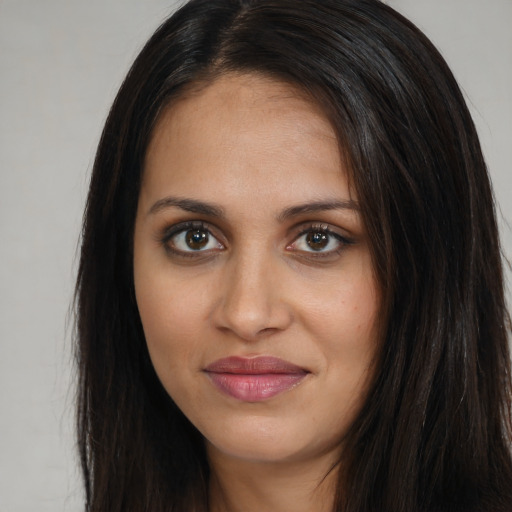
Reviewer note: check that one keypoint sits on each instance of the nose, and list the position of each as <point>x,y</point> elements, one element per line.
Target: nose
<point>252,301</point>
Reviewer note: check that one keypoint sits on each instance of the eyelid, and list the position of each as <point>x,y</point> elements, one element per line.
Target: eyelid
<point>306,227</point>
<point>170,231</point>
<point>326,228</point>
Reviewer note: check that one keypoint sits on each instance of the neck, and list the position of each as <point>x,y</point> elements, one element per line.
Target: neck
<point>247,486</point>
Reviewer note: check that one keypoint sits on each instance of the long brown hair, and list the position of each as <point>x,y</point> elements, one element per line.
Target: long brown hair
<point>435,431</point>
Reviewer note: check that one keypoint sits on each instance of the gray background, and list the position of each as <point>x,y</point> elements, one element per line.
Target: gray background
<point>61,62</point>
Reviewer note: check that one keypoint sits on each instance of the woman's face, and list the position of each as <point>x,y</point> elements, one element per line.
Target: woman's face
<point>253,275</point>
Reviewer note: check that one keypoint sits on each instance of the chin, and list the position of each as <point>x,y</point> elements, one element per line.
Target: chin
<point>263,442</point>
<point>262,452</point>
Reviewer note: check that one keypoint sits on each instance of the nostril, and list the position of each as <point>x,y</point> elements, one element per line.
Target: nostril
<point>253,321</point>
<point>268,330</point>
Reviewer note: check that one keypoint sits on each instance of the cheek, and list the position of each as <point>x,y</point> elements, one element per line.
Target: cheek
<point>343,311</point>
<point>342,318</point>
<point>171,313</point>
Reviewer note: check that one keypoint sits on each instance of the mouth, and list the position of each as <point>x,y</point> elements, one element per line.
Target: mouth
<point>254,379</point>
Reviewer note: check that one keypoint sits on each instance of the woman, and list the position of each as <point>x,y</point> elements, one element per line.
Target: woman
<point>290,293</point>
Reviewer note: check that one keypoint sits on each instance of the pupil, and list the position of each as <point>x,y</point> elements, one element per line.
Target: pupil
<point>317,240</point>
<point>196,239</point>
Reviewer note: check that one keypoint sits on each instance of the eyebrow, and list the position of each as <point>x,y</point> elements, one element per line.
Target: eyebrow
<point>213,210</point>
<point>189,205</point>
<point>318,206</point>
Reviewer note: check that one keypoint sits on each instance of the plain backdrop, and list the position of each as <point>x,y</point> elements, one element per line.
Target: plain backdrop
<point>61,62</point>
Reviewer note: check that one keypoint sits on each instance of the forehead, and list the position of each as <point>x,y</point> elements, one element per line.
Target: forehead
<point>231,102</point>
<point>245,132</point>
<point>246,92</point>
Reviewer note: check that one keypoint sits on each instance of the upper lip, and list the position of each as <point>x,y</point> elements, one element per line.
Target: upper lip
<point>253,365</point>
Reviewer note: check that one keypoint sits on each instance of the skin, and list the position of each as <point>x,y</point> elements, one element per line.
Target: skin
<point>256,148</point>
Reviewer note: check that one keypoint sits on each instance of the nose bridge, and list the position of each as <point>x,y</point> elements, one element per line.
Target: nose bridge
<point>251,303</point>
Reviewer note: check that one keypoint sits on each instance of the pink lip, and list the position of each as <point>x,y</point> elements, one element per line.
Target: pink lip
<point>254,379</point>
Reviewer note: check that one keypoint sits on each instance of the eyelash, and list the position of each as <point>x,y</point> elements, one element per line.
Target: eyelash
<point>325,230</point>
<point>183,227</point>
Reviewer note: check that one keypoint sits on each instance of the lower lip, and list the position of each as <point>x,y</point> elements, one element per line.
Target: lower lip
<point>255,388</point>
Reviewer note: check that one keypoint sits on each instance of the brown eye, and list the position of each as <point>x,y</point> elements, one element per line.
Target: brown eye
<point>317,240</point>
<point>190,239</point>
<point>196,239</point>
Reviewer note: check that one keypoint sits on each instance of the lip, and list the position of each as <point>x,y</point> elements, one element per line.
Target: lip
<point>254,379</point>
